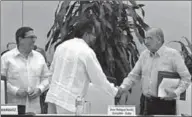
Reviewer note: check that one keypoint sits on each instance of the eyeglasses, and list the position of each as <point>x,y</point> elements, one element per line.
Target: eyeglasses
<point>32,37</point>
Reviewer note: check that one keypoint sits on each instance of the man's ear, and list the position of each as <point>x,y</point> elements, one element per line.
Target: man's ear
<point>20,38</point>
<point>86,34</point>
<point>159,39</point>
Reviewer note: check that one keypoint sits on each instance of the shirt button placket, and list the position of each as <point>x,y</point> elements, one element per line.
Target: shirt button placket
<point>150,86</point>
<point>150,79</point>
<point>27,70</point>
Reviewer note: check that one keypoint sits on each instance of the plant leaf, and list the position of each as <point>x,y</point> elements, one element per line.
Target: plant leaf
<point>143,12</point>
<point>70,11</point>
<point>183,48</point>
<point>87,6</point>
<point>108,6</point>
<point>189,43</point>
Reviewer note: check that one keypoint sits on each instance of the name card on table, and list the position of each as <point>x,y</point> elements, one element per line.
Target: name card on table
<point>121,110</point>
<point>9,110</point>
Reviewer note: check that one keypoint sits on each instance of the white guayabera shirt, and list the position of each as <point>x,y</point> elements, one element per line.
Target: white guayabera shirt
<point>24,73</point>
<point>74,66</point>
<point>147,67</point>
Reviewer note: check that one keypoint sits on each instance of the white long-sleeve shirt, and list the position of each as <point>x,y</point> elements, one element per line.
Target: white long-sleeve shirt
<point>147,67</point>
<point>24,73</point>
<point>73,67</point>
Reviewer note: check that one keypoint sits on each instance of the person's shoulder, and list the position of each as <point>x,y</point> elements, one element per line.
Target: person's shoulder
<point>171,51</point>
<point>37,54</point>
<point>87,53</point>
<point>144,53</point>
<point>8,53</point>
<point>65,44</point>
<point>4,52</point>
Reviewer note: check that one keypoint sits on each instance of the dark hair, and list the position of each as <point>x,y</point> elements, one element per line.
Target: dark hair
<point>21,33</point>
<point>83,26</point>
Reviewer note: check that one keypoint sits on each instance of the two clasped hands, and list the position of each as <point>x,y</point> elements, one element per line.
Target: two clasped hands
<point>31,92</point>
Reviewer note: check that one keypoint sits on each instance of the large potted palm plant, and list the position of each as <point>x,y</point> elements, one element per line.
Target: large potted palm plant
<point>115,22</point>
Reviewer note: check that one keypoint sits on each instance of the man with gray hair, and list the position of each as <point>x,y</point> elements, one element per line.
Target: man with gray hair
<point>157,57</point>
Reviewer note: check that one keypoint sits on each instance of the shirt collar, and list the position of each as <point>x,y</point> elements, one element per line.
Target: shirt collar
<point>80,40</point>
<point>159,52</point>
<point>17,53</point>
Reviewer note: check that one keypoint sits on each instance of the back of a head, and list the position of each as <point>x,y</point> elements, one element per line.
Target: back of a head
<point>82,26</point>
<point>79,27</point>
<point>158,32</point>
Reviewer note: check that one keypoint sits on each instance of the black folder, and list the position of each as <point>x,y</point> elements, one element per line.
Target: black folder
<point>172,75</point>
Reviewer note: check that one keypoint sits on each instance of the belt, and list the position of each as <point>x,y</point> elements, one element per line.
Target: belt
<point>154,99</point>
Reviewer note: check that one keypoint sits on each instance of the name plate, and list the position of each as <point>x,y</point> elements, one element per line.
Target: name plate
<point>9,110</point>
<point>121,110</point>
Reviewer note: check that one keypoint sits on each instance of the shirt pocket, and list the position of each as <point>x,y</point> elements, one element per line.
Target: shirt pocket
<point>165,66</point>
<point>13,73</point>
<point>36,70</point>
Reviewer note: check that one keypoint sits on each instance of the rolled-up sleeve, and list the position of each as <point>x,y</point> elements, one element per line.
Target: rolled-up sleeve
<point>183,72</point>
<point>97,75</point>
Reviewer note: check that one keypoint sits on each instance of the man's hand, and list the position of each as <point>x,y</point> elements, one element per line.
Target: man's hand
<point>170,94</point>
<point>34,93</point>
<point>121,96</point>
<point>21,93</point>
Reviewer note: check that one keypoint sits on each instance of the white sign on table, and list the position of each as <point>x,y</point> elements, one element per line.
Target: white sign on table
<point>9,110</point>
<point>121,110</point>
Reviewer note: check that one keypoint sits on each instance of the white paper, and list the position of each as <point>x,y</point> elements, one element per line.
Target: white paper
<point>167,83</point>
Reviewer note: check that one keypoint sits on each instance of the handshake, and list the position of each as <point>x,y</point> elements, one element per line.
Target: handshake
<point>121,97</point>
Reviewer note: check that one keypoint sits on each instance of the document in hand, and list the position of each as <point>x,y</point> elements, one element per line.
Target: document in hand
<point>168,80</point>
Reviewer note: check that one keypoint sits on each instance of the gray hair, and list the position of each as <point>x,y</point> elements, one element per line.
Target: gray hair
<point>157,32</point>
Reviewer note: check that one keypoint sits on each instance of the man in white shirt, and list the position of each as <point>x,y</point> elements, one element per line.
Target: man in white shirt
<point>74,66</point>
<point>156,58</point>
<point>26,72</point>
